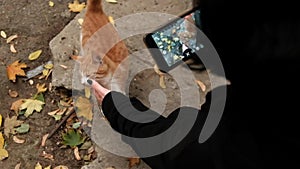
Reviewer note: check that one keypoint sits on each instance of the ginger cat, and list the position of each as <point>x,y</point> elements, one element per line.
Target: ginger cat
<point>102,50</point>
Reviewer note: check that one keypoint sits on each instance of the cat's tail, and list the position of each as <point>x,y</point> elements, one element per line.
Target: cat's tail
<point>95,6</point>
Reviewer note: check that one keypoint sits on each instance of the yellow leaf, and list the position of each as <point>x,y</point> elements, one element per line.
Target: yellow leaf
<point>48,167</point>
<point>0,120</point>
<point>35,55</point>
<point>45,72</point>
<point>3,34</point>
<point>76,6</point>
<point>9,124</point>
<point>48,66</point>
<point>31,105</point>
<point>41,88</point>
<point>111,20</point>
<point>15,69</point>
<point>1,141</point>
<point>3,154</point>
<point>112,1</point>
<point>87,92</point>
<point>38,166</point>
<point>51,3</point>
<point>84,108</point>
<point>11,38</point>
<point>80,21</point>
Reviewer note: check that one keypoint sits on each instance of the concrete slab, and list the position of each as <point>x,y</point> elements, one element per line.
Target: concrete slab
<point>66,44</point>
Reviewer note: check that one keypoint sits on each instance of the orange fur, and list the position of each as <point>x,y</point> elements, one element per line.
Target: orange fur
<point>102,49</point>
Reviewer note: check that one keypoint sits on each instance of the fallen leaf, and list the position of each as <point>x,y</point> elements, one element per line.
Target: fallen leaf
<point>84,108</point>
<point>38,166</point>
<point>91,150</point>
<point>76,154</point>
<point>1,141</point>
<point>13,93</point>
<point>133,162</point>
<point>80,21</point>
<point>17,140</point>
<point>64,66</point>
<point>41,88</point>
<point>48,167</point>
<point>87,92</point>
<point>112,1</point>
<point>44,139</point>
<point>61,167</point>
<point>12,48</point>
<point>15,69</point>
<point>24,128</point>
<point>18,166</point>
<point>201,85</point>
<point>35,55</point>
<point>3,154</point>
<point>10,124</point>
<point>111,20</point>
<point>11,38</point>
<point>15,106</point>
<point>3,34</point>
<point>162,82</point>
<point>49,66</point>
<point>72,138</point>
<point>48,156</point>
<point>51,3</point>
<point>76,6</point>
<point>31,105</point>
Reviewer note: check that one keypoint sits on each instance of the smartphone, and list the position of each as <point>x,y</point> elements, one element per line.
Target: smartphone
<point>176,41</point>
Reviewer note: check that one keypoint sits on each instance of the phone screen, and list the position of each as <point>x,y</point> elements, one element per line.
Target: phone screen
<point>177,41</point>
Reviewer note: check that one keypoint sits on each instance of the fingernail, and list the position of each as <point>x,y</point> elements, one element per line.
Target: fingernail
<point>90,82</point>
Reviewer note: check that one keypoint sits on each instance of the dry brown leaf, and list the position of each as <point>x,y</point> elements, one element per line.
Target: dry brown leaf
<point>11,38</point>
<point>84,108</point>
<point>15,106</point>
<point>15,69</point>
<point>201,85</point>
<point>162,82</point>
<point>47,156</point>
<point>12,48</point>
<point>10,124</point>
<point>13,93</point>
<point>44,139</point>
<point>133,162</point>
<point>76,153</point>
<point>17,140</point>
<point>76,6</point>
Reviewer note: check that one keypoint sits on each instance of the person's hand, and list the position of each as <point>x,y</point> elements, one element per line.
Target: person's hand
<point>100,91</point>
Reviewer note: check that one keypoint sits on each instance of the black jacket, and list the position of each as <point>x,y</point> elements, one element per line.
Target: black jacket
<point>259,45</point>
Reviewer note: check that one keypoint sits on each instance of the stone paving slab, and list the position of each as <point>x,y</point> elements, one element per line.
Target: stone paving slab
<point>66,44</point>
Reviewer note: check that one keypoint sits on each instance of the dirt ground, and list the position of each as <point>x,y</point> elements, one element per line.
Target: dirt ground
<point>35,23</point>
